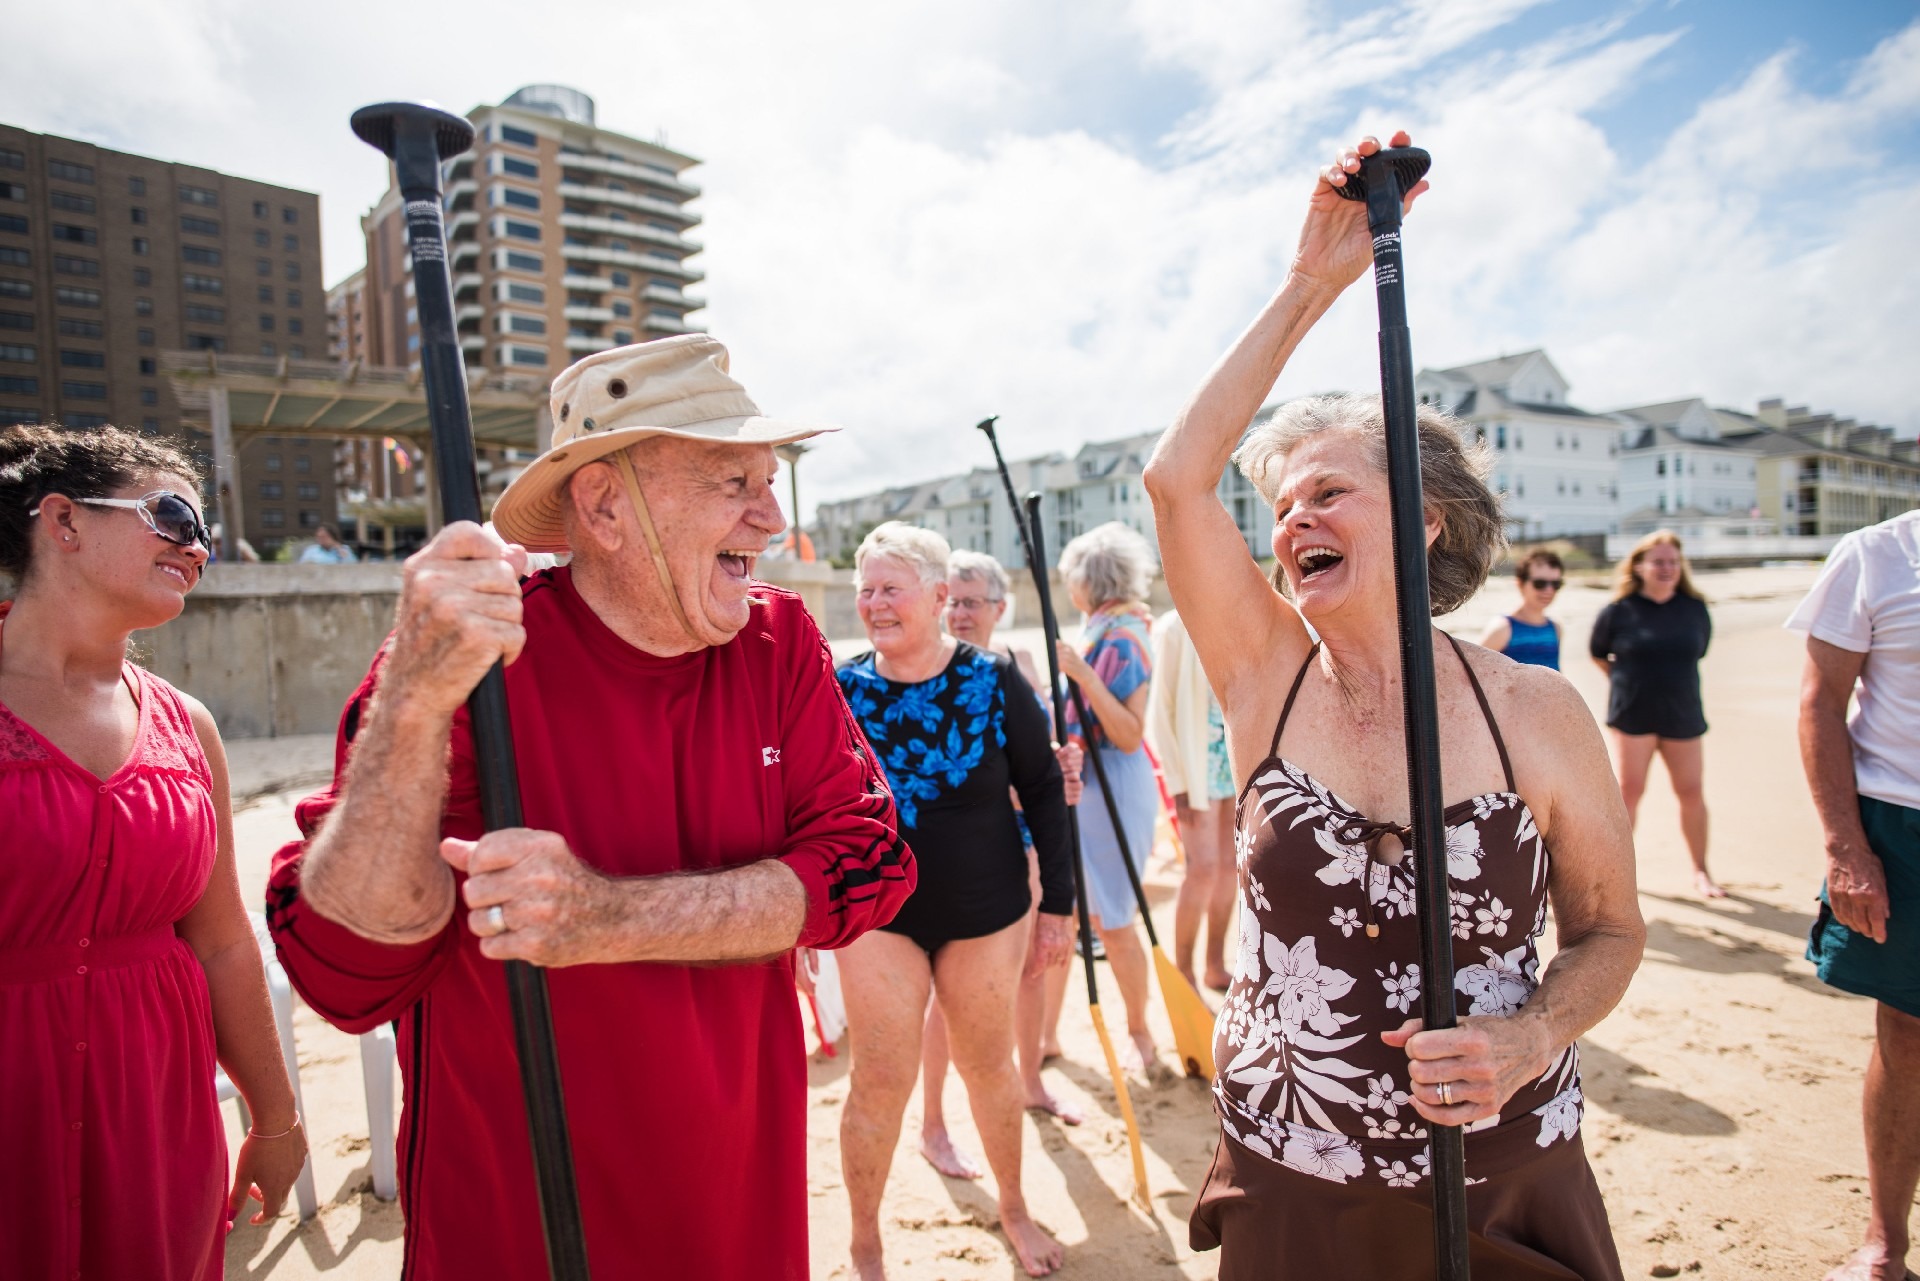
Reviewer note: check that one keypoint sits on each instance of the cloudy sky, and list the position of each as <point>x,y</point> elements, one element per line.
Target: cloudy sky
<point>918,214</point>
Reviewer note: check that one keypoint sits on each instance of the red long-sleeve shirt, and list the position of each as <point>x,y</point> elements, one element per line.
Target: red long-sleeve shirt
<point>685,1086</point>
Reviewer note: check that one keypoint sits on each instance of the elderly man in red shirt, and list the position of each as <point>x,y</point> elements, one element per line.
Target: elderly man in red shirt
<point>698,802</point>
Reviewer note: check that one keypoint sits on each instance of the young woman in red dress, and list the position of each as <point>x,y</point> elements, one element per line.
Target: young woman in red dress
<point>128,967</point>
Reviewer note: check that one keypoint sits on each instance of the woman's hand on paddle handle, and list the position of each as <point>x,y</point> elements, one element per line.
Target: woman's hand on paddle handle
<point>1070,757</point>
<point>1483,1061</point>
<point>265,1171</point>
<point>1052,943</point>
<point>459,614</point>
<point>1335,245</point>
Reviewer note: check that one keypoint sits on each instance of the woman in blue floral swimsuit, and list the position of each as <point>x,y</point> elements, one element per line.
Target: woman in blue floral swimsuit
<point>1326,1081</point>
<point>954,727</point>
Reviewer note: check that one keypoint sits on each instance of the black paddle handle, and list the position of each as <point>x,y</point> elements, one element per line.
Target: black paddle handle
<point>1385,178</point>
<point>1034,540</point>
<point>418,137</point>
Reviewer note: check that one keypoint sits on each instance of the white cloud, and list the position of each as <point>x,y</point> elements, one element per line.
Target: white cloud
<point>919,214</point>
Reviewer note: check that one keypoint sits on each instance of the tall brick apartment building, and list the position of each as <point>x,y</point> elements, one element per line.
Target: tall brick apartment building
<point>108,259</point>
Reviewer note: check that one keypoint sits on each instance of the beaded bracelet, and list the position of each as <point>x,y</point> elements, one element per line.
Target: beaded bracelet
<point>255,1134</point>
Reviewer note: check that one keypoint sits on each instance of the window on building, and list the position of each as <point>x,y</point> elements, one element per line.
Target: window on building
<point>295,325</point>
<point>617,243</point>
<point>11,257</point>
<point>297,351</point>
<point>302,463</point>
<point>11,159</point>
<point>266,323</point>
<point>517,292</point>
<point>264,293</point>
<point>15,319</point>
<point>148,366</point>
<point>13,223</point>
<point>201,255</point>
<point>202,284</point>
<point>519,168</point>
<point>12,191</point>
<point>141,246</point>
<point>71,201</point>
<point>75,327</point>
<point>148,396</point>
<point>13,385</point>
<point>67,171</point>
<point>75,235</point>
<point>259,208</point>
<point>136,186</point>
<point>621,280</point>
<point>621,337</point>
<point>273,462</point>
<point>520,230</point>
<point>262,238</point>
<point>198,196</point>
<point>290,243</point>
<point>309,519</point>
<point>527,355</point>
<point>622,309</point>
<point>263,266</point>
<point>205,342</point>
<point>19,353</point>
<point>76,266</point>
<point>289,215</point>
<point>293,297</point>
<point>525,325</point>
<point>272,489</point>
<point>138,214</point>
<point>519,199</point>
<point>267,349</point>
<point>518,137</point>
<point>149,425</point>
<point>199,226</point>
<point>293,271</point>
<point>83,391</point>
<point>83,359</point>
<point>518,261</point>
<point>308,490</point>
<point>142,277</point>
<point>205,315</point>
<point>145,337</point>
<point>16,289</point>
<point>273,518</point>
<point>74,296</point>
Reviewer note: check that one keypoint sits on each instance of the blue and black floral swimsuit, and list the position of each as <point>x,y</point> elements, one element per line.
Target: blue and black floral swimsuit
<point>951,747</point>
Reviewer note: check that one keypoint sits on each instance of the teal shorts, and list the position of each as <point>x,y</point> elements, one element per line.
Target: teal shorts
<point>1888,972</point>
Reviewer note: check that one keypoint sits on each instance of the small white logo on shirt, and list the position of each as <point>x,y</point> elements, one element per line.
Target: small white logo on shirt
<point>769,756</point>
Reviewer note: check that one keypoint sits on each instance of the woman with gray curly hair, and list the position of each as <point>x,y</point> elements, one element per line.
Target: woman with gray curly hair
<point>1326,1080</point>
<point>1107,572</point>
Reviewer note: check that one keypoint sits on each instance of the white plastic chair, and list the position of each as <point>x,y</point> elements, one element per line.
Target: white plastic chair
<point>378,1058</point>
<point>281,992</point>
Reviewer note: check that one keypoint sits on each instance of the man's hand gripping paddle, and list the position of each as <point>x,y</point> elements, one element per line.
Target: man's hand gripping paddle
<point>1383,181</point>
<point>417,137</point>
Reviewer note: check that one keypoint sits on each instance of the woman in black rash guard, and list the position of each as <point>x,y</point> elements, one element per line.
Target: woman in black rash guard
<point>1649,641</point>
<point>953,727</point>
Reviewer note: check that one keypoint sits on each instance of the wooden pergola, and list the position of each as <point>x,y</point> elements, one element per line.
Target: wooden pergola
<point>240,397</point>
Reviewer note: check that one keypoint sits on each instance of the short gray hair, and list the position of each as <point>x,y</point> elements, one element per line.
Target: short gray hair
<point>921,550</point>
<point>1453,475</point>
<point>1109,563</point>
<point>977,567</point>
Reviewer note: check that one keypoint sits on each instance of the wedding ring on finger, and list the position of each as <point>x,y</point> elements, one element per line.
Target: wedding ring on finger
<point>496,919</point>
<point>1446,1087</point>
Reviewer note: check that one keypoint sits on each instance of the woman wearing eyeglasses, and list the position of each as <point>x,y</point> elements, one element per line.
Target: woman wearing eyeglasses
<point>128,968</point>
<point>1527,635</point>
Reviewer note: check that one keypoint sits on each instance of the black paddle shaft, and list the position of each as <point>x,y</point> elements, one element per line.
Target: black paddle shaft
<point>1384,179</point>
<point>417,137</point>
<point>1050,628</point>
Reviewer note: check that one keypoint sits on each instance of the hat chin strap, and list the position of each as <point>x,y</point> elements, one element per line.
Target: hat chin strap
<point>647,531</point>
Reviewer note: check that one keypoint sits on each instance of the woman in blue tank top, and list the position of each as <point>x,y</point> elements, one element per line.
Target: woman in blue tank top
<point>1527,635</point>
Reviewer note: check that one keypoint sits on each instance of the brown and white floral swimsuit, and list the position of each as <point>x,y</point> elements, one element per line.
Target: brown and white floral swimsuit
<point>1329,948</point>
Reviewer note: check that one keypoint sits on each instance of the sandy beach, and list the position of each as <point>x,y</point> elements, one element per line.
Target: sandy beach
<point>1723,1094</point>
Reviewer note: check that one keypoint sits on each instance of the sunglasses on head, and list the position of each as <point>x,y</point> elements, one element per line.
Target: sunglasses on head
<point>1545,584</point>
<point>166,513</point>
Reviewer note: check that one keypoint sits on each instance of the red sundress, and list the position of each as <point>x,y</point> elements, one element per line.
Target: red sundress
<point>115,1159</point>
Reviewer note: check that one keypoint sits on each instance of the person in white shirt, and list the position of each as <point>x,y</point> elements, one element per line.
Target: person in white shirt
<point>327,549</point>
<point>1862,620</point>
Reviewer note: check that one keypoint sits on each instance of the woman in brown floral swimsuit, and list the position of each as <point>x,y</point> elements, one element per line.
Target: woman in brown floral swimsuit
<point>1326,1082</point>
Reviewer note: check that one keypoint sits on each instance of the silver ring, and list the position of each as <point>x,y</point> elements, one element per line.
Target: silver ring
<point>497,919</point>
<point>1446,1087</point>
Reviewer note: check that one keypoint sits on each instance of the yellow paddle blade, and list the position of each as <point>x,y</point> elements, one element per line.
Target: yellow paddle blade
<point>1192,1020</point>
<point>1141,1197</point>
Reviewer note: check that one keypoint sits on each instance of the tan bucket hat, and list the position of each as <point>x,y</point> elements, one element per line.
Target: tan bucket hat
<point>675,386</point>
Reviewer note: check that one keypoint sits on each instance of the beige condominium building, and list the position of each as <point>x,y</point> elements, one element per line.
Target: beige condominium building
<point>1822,474</point>
<point>563,239</point>
<point>107,259</point>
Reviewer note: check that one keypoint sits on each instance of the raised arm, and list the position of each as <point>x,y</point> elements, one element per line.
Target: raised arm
<point>374,866</point>
<point>1238,622</point>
